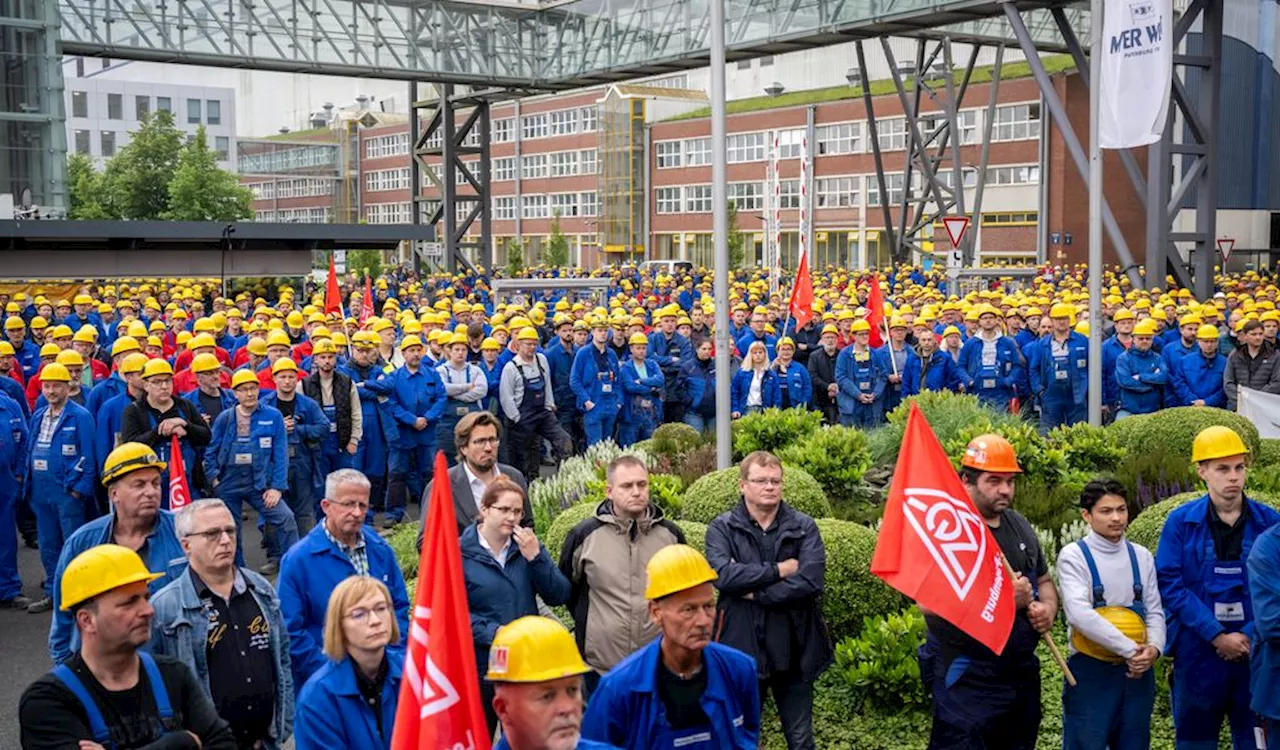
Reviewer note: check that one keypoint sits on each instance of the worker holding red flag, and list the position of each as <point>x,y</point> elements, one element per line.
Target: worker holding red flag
<point>944,542</point>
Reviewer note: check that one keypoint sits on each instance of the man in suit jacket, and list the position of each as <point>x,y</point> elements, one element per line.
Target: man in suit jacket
<point>476,436</point>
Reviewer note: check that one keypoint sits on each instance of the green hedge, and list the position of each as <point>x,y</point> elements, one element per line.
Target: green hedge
<point>1269,453</point>
<point>836,456</point>
<point>1146,528</point>
<point>404,543</point>
<point>852,593</point>
<point>695,534</point>
<point>564,523</point>
<point>718,492</point>
<point>1173,430</point>
<point>772,430</point>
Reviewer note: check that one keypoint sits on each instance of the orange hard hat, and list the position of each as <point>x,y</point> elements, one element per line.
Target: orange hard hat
<point>992,453</point>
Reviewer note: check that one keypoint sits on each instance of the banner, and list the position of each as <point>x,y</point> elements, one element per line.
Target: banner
<point>1137,72</point>
<point>179,492</point>
<point>1263,409</point>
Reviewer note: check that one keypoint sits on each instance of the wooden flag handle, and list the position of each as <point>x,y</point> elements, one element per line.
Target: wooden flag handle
<point>1046,637</point>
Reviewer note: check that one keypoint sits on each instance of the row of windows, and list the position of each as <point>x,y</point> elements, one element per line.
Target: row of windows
<point>559,122</point>
<point>312,215</point>
<point>286,159</point>
<point>506,207</point>
<point>109,140</point>
<point>199,111</point>
<point>437,138</point>
<point>299,188</point>
<point>387,179</point>
<point>396,144</point>
<point>387,213</point>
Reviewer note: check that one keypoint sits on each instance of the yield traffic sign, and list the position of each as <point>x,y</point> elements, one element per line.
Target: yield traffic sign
<point>955,226</point>
<point>1225,246</point>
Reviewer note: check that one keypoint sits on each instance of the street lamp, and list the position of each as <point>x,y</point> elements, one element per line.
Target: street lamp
<point>774,89</point>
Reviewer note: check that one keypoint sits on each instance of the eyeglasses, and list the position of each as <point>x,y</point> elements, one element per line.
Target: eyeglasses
<point>214,535</point>
<point>349,505</point>
<point>507,511</point>
<point>484,441</point>
<point>360,614</point>
<point>765,482</point>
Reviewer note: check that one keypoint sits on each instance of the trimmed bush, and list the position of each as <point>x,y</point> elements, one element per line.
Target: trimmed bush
<point>717,492</point>
<point>695,534</point>
<point>1173,430</point>
<point>772,430</point>
<point>837,457</point>
<point>1087,448</point>
<point>674,439</point>
<point>1269,452</point>
<point>564,523</point>
<point>881,664</point>
<point>404,543</point>
<point>948,414</point>
<point>852,594</point>
<point>1146,528</point>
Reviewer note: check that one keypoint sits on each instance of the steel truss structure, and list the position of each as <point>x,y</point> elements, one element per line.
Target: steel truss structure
<point>443,112</point>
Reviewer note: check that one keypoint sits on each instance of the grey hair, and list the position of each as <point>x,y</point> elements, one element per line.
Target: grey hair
<point>184,521</point>
<point>344,476</point>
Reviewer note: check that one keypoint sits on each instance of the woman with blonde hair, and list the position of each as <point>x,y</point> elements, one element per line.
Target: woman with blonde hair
<point>754,387</point>
<point>351,701</point>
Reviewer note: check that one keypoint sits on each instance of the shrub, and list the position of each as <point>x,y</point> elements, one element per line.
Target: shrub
<point>836,457</point>
<point>572,483</point>
<point>1047,506</point>
<point>696,464</point>
<point>1087,448</point>
<point>695,534</point>
<point>1173,430</point>
<point>404,543</point>
<point>564,523</point>
<point>1036,457</point>
<point>1146,528</point>
<point>1268,452</point>
<point>1151,476</point>
<point>717,492</point>
<point>668,492</point>
<point>948,414</point>
<point>852,594</point>
<point>880,664</point>
<point>674,439</point>
<point>772,430</point>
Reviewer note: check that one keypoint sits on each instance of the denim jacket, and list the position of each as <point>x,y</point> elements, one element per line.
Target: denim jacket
<point>181,630</point>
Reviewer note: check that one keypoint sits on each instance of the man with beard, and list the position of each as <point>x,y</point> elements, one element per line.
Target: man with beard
<point>476,437</point>
<point>822,370</point>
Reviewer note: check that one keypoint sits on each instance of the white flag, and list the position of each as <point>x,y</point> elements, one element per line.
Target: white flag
<point>1263,409</point>
<point>1137,72</point>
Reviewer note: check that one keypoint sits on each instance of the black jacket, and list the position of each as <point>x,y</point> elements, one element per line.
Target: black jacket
<point>807,342</point>
<point>822,370</point>
<point>780,610</point>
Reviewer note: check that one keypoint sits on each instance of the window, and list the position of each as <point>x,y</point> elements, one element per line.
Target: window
<point>534,126</point>
<point>504,169</point>
<point>697,152</point>
<point>564,122</point>
<point>79,67</point>
<point>745,147</point>
<point>386,145</point>
<point>892,133</point>
<point>744,64</point>
<point>670,82</point>
<point>587,161</point>
<point>504,207</point>
<point>839,138</point>
<point>789,194</point>
<point>435,140</point>
<point>837,192</point>
<point>534,207</point>
<point>970,178</point>
<point>564,164</point>
<point>697,199</point>
<point>459,178</point>
<point>588,203</point>
<point>668,200</point>
<point>894,184</point>
<point>501,130</point>
<point>79,104</point>
<point>82,142</point>
<point>766,61</point>
<point>589,117</point>
<point>565,204</point>
<point>115,106</point>
<point>108,139</point>
<point>747,196</point>
<point>1016,122</point>
<point>668,154</point>
<point>789,143</point>
<point>213,112</point>
<point>193,111</point>
<point>141,107</point>
<point>1025,175</point>
<point>386,213</point>
<point>222,144</point>
<point>164,104</point>
<point>1023,218</point>
<point>534,167</point>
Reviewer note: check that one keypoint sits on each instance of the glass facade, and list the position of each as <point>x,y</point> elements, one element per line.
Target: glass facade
<point>33,139</point>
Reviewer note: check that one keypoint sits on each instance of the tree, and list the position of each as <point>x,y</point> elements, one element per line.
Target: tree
<point>557,254</point>
<point>85,193</point>
<point>364,262</point>
<point>515,257</point>
<point>737,240</point>
<point>200,191</point>
<point>136,180</point>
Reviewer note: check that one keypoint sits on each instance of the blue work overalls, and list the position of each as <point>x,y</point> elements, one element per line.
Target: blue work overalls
<point>595,377</point>
<point>328,456</point>
<point>1106,709</point>
<point>310,428</point>
<point>994,383</point>
<point>859,373</point>
<point>455,408</point>
<point>795,386</point>
<point>380,431</point>
<point>641,401</point>
<point>14,442</point>
<point>57,468</point>
<point>246,467</point>
<point>162,725</point>
<point>1064,381</point>
<point>419,394</point>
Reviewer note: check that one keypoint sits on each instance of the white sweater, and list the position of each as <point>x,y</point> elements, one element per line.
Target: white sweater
<point>1117,581</point>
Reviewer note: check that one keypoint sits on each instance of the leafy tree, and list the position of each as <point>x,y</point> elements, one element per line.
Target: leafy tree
<point>557,253</point>
<point>364,262</point>
<point>737,240</point>
<point>136,180</point>
<point>200,191</point>
<point>515,257</point>
<point>85,194</point>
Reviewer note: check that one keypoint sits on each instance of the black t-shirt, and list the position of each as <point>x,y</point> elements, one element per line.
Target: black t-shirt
<point>1228,541</point>
<point>211,405</point>
<point>286,407</point>
<point>140,420</point>
<point>242,672</point>
<point>681,697</point>
<point>52,718</point>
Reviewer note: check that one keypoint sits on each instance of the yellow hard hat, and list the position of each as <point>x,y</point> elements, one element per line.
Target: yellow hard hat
<point>675,568</point>
<point>278,338</point>
<point>1207,332</point>
<point>1126,621</point>
<point>14,323</point>
<point>638,339</point>
<point>295,319</point>
<point>859,326</point>
<point>125,344</point>
<point>257,347</point>
<point>527,334</point>
<point>243,377</point>
<point>6,349</point>
<point>534,649</point>
<point>54,373</point>
<point>157,367</point>
<point>86,335</point>
<point>205,362</point>
<point>453,339</point>
<point>1062,310</point>
<point>284,364</point>
<point>1146,327</point>
<point>324,346</point>
<point>490,344</point>
<point>1215,442</point>
<point>128,458</point>
<point>201,341</point>
<point>100,569</point>
<point>133,363</point>
<point>69,358</point>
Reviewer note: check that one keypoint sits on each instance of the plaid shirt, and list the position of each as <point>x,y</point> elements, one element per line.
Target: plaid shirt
<point>357,555</point>
<point>47,426</point>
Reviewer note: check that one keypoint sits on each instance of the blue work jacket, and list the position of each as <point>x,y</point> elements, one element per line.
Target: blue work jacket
<point>104,391</point>
<point>181,629</point>
<point>910,371</point>
<point>414,395</point>
<point>1264,659</point>
<point>942,374</point>
<point>108,421</point>
<point>740,389</point>
<point>162,553</point>
<point>698,386</point>
<point>1075,364</point>
<point>374,386</point>
<point>795,387</point>
<point>1141,377</point>
<point>1002,377</point>
<point>310,425</point>
<point>856,377</point>
<point>1182,557</point>
<point>332,713</point>
<point>1202,379</point>
<point>28,356</point>
<point>1172,354</point>
<point>749,337</point>
<point>670,352</point>
<point>1111,351</point>
<point>309,571</point>
<point>636,391</point>
<point>15,442</point>
<point>268,449</point>
<point>625,710</point>
<point>72,456</point>
<point>587,382</point>
<point>561,362</point>
<point>13,390</point>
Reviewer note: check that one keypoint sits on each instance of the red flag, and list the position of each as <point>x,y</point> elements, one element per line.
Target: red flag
<point>801,305</point>
<point>366,302</point>
<point>875,308</point>
<point>440,691</point>
<point>179,492</point>
<point>332,294</point>
<point>934,546</point>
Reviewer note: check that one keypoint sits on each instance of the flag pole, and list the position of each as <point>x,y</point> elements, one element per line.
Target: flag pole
<point>889,343</point>
<point>1046,637</point>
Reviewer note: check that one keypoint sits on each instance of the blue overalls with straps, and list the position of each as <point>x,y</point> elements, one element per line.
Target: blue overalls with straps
<point>859,375</point>
<point>58,467</point>
<point>98,725</point>
<point>454,410</point>
<point>1106,708</point>
<point>163,450</point>
<point>1063,398</point>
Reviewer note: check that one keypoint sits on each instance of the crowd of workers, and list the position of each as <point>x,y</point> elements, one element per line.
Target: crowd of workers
<point>320,421</point>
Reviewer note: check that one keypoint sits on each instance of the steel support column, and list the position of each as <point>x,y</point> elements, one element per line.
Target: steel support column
<point>873,137</point>
<point>415,175</point>
<point>453,147</point>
